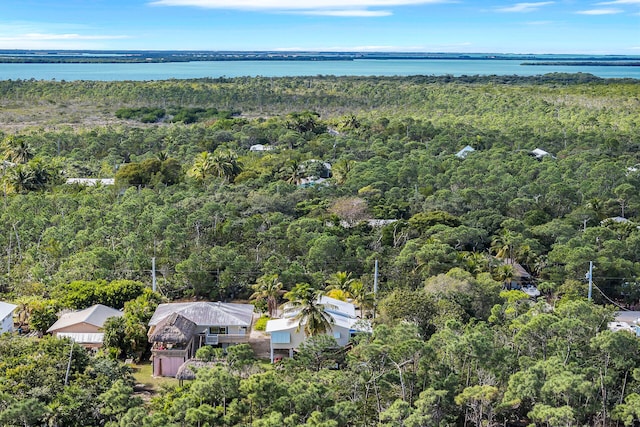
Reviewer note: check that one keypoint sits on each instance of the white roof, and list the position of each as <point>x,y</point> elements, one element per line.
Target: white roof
<point>354,324</point>
<point>618,219</point>
<point>91,181</point>
<point>466,150</point>
<point>205,313</point>
<point>343,314</point>
<point>619,326</point>
<point>83,338</point>
<point>95,315</point>
<point>6,309</point>
<point>260,147</point>
<point>628,316</point>
<point>281,325</point>
<point>332,305</point>
<point>539,152</point>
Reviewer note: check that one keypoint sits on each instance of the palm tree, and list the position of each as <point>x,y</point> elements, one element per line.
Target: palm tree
<point>17,150</point>
<point>268,287</point>
<point>203,166</point>
<point>22,179</point>
<point>505,273</point>
<point>502,245</point>
<point>293,172</point>
<point>362,297</point>
<point>304,301</point>
<point>226,165</point>
<point>341,281</point>
<point>341,169</point>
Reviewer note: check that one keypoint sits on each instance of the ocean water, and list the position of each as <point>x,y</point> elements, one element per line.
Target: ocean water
<point>284,68</point>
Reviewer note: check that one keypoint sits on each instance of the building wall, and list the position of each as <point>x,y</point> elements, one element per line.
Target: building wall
<point>7,324</point>
<point>79,327</point>
<point>340,334</point>
<point>167,366</point>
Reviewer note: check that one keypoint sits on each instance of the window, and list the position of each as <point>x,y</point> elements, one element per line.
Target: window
<point>336,335</point>
<point>217,330</point>
<point>280,337</point>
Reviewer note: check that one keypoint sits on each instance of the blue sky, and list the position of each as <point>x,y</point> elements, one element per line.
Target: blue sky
<point>561,26</point>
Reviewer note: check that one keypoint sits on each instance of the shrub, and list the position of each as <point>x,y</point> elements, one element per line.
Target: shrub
<point>261,323</point>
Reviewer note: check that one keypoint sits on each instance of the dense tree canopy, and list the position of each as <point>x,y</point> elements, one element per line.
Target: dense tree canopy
<point>306,185</point>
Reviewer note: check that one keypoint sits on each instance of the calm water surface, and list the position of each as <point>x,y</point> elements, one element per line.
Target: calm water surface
<point>364,67</point>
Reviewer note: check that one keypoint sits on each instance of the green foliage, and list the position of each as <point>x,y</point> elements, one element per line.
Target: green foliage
<point>142,114</point>
<point>261,323</point>
<point>81,294</point>
<point>150,171</point>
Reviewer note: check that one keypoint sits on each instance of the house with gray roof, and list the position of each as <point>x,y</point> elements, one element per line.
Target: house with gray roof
<point>214,323</point>
<point>218,323</point>
<point>84,326</point>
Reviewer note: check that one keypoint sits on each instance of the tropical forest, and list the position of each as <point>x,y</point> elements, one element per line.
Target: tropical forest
<point>429,202</point>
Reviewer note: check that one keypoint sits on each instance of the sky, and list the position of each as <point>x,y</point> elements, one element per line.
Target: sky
<point>496,26</point>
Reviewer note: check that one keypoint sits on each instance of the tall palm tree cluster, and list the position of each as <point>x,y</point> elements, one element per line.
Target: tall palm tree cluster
<point>221,163</point>
<point>20,171</point>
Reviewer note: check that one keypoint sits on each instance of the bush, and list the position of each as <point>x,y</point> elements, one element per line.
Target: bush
<point>261,323</point>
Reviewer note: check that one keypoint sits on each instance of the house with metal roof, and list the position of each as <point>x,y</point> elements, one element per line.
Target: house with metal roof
<point>287,334</point>
<point>218,323</point>
<point>6,316</point>
<point>214,323</point>
<point>84,326</point>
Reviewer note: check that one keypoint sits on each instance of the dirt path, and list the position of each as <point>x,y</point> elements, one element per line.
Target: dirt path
<point>259,341</point>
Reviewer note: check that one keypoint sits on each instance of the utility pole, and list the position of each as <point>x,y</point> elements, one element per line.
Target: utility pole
<point>590,277</point>
<point>375,288</point>
<point>66,377</point>
<point>153,274</point>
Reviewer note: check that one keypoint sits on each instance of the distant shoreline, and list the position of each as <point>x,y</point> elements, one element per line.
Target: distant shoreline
<point>119,57</point>
<point>586,63</point>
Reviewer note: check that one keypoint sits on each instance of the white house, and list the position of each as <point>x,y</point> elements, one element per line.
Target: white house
<point>260,147</point>
<point>91,182</point>
<point>539,153</point>
<point>287,333</point>
<point>6,316</point>
<point>464,152</point>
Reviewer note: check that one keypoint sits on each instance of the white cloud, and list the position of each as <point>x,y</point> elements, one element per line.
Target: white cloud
<point>347,13</point>
<point>619,2</point>
<point>525,7</point>
<point>338,8</point>
<point>292,4</point>
<point>26,36</point>
<point>600,12</point>
<point>48,37</point>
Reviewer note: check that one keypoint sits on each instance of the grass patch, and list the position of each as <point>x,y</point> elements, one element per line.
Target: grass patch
<point>142,375</point>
